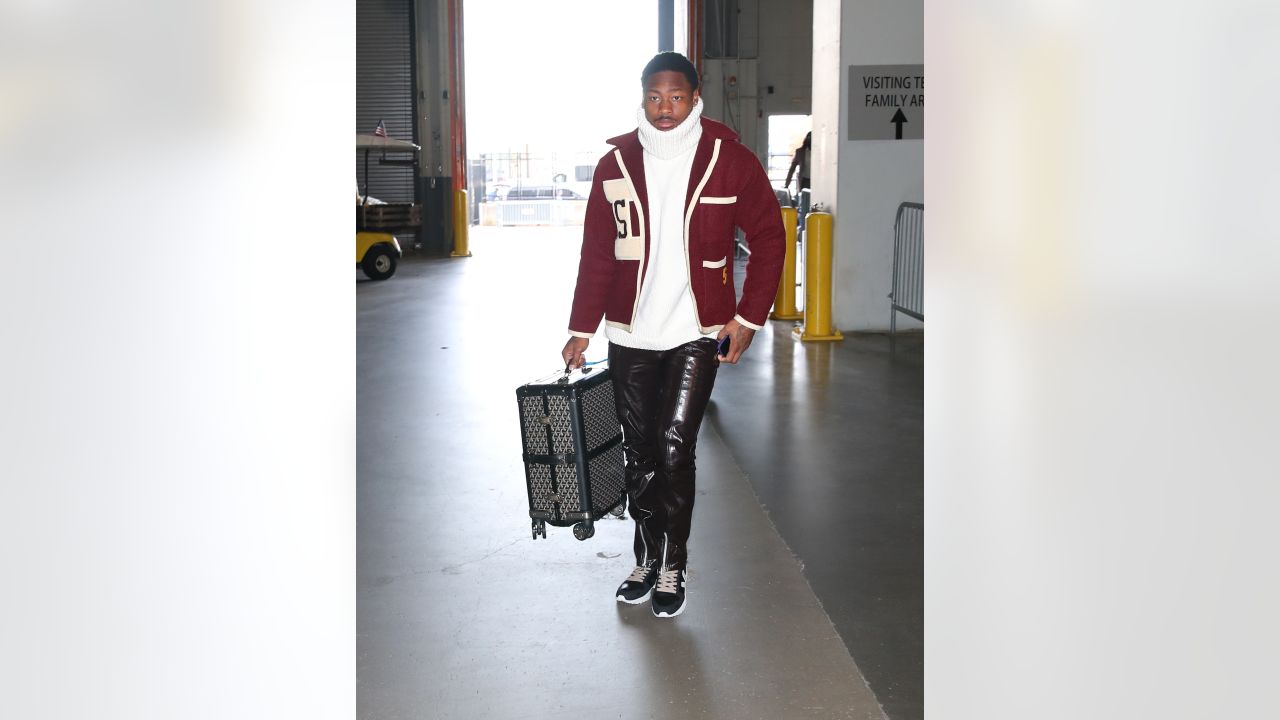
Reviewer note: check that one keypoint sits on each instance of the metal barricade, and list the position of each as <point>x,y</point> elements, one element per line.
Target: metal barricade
<point>907,295</point>
<point>534,212</point>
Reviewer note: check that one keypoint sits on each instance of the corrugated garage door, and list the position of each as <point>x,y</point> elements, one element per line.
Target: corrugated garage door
<point>384,89</point>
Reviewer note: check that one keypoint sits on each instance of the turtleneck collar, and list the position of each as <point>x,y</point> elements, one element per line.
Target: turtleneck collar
<point>668,144</point>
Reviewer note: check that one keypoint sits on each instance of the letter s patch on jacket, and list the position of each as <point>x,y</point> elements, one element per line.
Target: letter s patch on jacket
<point>628,243</point>
<point>618,193</point>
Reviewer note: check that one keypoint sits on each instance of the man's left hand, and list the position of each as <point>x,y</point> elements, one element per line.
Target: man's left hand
<point>740,339</point>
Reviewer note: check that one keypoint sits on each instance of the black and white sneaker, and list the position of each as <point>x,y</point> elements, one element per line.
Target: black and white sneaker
<point>668,593</point>
<point>639,584</point>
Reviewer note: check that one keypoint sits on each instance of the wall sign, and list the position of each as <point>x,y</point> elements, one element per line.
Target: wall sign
<point>886,102</point>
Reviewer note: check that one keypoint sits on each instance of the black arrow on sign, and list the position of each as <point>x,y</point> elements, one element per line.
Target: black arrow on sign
<point>898,119</point>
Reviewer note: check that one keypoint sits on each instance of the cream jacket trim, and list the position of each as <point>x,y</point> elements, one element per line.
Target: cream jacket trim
<point>744,322</point>
<point>631,248</point>
<point>617,155</point>
<point>688,217</point>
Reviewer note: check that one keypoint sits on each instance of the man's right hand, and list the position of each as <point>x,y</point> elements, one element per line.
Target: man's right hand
<point>575,351</point>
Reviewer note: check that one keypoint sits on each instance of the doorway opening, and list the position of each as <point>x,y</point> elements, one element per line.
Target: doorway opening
<point>786,133</point>
<point>547,83</point>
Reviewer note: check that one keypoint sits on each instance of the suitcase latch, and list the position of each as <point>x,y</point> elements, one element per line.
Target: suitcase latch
<point>545,419</point>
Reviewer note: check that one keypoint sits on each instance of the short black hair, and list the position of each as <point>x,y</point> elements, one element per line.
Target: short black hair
<point>665,61</point>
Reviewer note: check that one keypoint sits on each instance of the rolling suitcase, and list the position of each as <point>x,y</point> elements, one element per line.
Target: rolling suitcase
<point>572,450</point>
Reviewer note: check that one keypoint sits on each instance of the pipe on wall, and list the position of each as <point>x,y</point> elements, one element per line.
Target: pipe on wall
<point>458,130</point>
<point>695,34</point>
<point>666,25</point>
<point>457,106</point>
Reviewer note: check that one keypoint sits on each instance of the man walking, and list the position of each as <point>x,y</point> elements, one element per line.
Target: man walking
<point>657,266</point>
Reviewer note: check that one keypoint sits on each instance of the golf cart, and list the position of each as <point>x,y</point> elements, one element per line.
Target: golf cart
<point>377,249</point>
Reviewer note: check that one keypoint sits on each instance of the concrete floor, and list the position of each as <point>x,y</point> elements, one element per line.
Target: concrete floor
<point>463,615</point>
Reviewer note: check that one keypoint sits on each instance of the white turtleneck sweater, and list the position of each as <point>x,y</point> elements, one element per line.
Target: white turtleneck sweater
<point>666,316</point>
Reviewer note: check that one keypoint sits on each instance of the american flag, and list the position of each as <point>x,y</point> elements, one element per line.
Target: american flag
<point>381,130</point>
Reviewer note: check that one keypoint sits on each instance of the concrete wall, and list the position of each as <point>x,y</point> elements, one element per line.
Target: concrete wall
<point>786,59</point>
<point>730,95</point>
<point>874,175</point>
<point>774,50</point>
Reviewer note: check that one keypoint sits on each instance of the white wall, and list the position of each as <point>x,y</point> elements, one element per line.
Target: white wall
<point>874,175</point>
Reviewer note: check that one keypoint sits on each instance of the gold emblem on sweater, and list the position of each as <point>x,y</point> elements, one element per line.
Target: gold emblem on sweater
<point>724,275</point>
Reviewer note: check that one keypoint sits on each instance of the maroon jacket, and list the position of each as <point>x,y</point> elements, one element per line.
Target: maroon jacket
<point>727,188</point>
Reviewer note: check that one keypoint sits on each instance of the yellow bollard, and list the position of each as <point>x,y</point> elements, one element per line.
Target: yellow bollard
<point>461,223</point>
<point>817,281</point>
<point>784,303</point>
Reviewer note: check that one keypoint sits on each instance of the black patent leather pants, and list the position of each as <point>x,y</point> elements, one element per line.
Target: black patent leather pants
<point>661,397</point>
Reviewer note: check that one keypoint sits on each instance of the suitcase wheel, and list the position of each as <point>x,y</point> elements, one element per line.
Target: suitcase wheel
<point>539,528</point>
<point>619,511</point>
<point>582,531</point>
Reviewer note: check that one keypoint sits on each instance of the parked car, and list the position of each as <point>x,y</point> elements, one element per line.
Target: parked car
<point>541,192</point>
